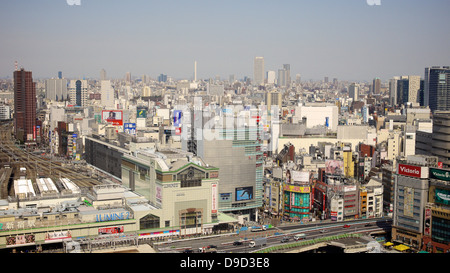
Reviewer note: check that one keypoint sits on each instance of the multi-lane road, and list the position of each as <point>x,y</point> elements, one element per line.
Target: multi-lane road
<point>224,243</point>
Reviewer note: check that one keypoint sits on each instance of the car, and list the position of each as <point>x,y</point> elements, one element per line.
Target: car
<point>188,251</point>
<point>368,225</point>
<point>237,243</point>
<point>346,226</point>
<point>211,246</point>
<point>285,239</point>
<point>323,231</point>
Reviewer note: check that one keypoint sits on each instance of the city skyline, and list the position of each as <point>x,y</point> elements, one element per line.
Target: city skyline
<point>349,40</point>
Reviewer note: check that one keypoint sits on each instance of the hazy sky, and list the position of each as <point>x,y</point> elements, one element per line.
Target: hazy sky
<point>346,39</point>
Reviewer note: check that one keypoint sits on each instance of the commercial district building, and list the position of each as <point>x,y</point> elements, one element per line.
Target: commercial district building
<point>164,193</point>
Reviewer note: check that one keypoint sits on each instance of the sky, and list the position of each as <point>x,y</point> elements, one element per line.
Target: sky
<point>345,39</point>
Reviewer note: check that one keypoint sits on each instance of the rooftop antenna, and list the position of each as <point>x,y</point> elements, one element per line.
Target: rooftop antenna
<point>16,65</point>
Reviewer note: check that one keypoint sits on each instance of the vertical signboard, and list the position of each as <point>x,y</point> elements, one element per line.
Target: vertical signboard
<point>214,201</point>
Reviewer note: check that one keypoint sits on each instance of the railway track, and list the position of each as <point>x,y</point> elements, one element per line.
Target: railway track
<point>12,155</point>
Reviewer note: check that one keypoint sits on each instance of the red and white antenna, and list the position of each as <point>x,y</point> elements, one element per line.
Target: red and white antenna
<point>16,65</point>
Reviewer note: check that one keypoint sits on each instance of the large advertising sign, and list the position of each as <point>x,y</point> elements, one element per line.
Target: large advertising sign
<point>334,167</point>
<point>413,171</point>
<point>427,229</point>
<point>215,201</point>
<point>244,193</point>
<point>408,202</point>
<point>141,113</point>
<point>442,196</point>
<point>440,174</point>
<point>110,230</point>
<point>177,115</point>
<point>113,116</point>
<point>57,236</point>
<point>21,240</point>
<point>298,189</point>
<point>298,176</point>
<point>129,128</point>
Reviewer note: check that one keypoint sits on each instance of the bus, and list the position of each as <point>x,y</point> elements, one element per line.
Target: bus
<point>300,236</point>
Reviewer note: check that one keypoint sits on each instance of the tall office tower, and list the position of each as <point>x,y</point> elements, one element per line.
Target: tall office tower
<point>273,98</point>
<point>128,77</point>
<point>56,89</point>
<point>440,146</point>
<point>258,71</point>
<point>298,78</point>
<point>281,77</point>
<point>24,106</point>
<point>437,88</point>
<point>162,78</point>
<point>271,77</point>
<point>107,92</point>
<point>146,91</point>
<point>103,75</point>
<point>393,90</point>
<point>78,92</point>
<point>408,89</point>
<point>195,71</point>
<point>236,151</point>
<point>376,87</point>
<point>353,91</point>
<point>287,67</point>
<point>325,79</point>
<point>59,74</point>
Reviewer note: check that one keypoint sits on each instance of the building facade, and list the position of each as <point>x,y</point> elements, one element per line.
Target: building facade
<point>24,106</point>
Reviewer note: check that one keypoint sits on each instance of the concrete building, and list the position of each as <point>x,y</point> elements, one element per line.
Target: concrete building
<point>258,71</point>
<point>411,196</point>
<point>318,114</point>
<point>107,95</point>
<point>78,92</point>
<point>182,188</point>
<point>56,89</point>
<point>440,146</point>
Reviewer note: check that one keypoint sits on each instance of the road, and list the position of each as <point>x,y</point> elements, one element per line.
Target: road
<point>224,243</point>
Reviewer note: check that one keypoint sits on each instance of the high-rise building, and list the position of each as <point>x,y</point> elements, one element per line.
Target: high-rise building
<point>56,89</point>
<point>24,106</point>
<point>59,74</point>
<point>236,151</point>
<point>162,78</point>
<point>258,71</point>
<point>103,75</point>
<point>282,77</point>
<point>440,145</point>
<point>353,91</point>
<point>437,88</point>
<point>273,98</point>
<point>78,92</point>
<point>393,83</point>
<point>287,67</point>
<point>411,189</point>
<point>271,77</point>
<point>376,87</point>
<point>107,92</point>
<point>408,89</point>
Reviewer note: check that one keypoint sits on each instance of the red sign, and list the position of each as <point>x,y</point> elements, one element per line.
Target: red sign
<point>409,170</point>
<point>110,230</point>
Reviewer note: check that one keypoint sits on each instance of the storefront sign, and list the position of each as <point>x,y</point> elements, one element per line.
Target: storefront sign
<point>440,174</point>
<point>409,170</point>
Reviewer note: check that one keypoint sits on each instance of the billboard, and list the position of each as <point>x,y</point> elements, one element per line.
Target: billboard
<point>440,174</point>
<point>413,171</point>
<point>111,230</point>
<point>244,193</point>
<point>177,116</point>
<point>113,116</point>
<point>141,113</point>
<point>129,128</point>
<point>442,196</point>
<point>298,176</point>
<point>22,240</point>
<point>334,167</point>
<point>214,200</point>
<point>298,189</point>
<point>57,236</point>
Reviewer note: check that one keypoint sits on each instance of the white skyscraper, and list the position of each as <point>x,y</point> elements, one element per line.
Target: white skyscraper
<point>271,77</point>
<point>107,92</point>
<point>258,71</point>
